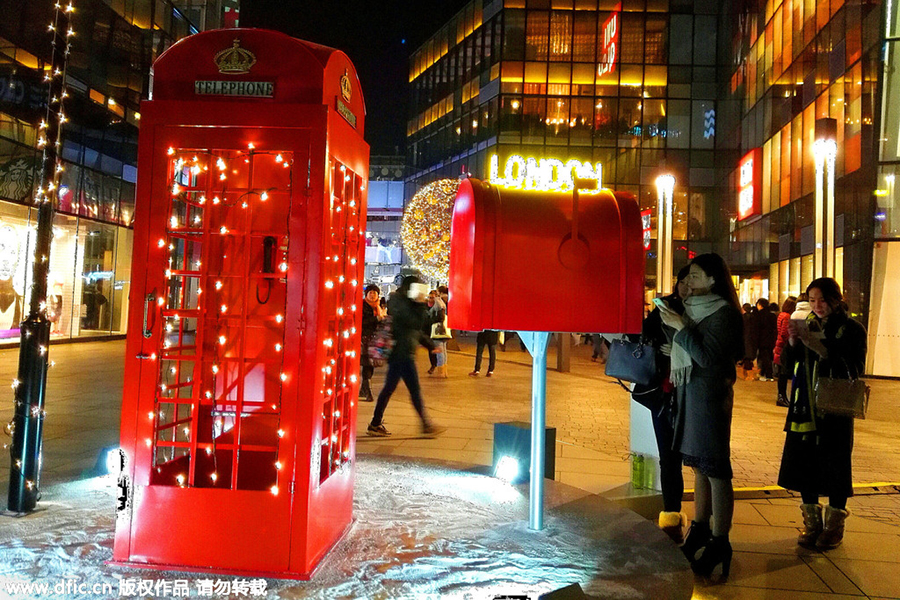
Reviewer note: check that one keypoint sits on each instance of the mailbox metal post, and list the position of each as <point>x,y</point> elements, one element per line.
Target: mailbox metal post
<point>537,342</point>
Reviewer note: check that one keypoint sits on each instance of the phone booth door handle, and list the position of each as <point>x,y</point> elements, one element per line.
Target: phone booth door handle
<point>147,302</point>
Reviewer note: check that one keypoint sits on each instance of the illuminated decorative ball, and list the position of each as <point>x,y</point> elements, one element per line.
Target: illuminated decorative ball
<point>425,230</point>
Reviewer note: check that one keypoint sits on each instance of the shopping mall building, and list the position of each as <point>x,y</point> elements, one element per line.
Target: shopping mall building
<point>115,43</point>
<point>773,117</point>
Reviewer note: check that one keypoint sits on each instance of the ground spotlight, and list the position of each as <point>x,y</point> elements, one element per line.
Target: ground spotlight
<point>110,461</point>
<point>507,469</point>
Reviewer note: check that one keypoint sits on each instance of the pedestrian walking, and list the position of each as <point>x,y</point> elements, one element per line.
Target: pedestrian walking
<point>601,348</point>
<point>707,344</point>
<point>490,339</point>
<point>438,332</point>
<point>407,310</point>
<point>750,339</point>
<point>372,315</point>
<point>766,323</point>
<point>659,396</point>
<point>781,373</point>
<point>817,448</point>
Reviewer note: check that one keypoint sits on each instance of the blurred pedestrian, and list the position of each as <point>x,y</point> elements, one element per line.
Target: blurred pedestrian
<point>817,448</point>
<point>372,315</point>
<point>707,344</point>
<point>766,323</point>
<point>781,373</point>
<point>407,310</point>
<point>490,339</point>
<point>438,332</point>
<point>749,341</point>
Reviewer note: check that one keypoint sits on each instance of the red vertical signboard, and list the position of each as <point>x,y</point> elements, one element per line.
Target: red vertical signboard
<point>750,184</point>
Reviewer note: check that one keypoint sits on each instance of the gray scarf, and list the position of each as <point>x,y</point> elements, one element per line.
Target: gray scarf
<point>696,308</point>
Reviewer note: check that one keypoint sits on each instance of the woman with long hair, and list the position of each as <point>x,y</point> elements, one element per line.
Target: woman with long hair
<point>707,344</point>
<point>817,447</point>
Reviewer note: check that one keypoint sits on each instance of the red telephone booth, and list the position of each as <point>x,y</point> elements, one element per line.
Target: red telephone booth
<point>238,416</point>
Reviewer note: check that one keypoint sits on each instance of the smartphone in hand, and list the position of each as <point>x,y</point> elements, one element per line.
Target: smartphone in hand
<point>660,303</point>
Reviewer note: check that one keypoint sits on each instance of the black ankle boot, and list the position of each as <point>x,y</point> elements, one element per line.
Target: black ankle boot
<point>697,537</point>
<point>718,551</point>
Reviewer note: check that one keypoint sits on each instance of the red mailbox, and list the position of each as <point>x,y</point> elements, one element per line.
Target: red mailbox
<point>238,416</point>
<point>584,249</point>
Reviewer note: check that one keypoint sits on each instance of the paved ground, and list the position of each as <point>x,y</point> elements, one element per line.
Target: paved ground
<point>591,415</point>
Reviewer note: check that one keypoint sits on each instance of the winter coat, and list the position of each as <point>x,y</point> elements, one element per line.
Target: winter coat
<point>704,404</point>
<point>818,447</point>
<point>751,334</point>
<point>766,323</point>
<point>436,314</point>
<point>784,319</point>
<point>407,320</point>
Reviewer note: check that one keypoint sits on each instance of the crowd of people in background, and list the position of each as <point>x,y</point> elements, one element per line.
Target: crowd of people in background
<point>703,335</point>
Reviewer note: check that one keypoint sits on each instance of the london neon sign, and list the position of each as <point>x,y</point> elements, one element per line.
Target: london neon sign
<point>544,174</point>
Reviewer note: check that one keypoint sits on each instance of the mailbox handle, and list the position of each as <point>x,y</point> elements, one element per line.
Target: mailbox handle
<point>150,298</point>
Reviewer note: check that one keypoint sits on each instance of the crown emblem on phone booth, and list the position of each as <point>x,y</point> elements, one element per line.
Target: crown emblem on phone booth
<point>235,60</point>
<point>346,89</point>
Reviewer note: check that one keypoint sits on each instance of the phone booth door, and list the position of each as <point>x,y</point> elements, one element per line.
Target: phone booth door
<point>216,355</point>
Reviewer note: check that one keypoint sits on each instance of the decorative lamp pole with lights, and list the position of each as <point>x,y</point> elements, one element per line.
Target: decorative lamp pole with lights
<point>31,383</point>
<point>824,154</point>
<point>665,188</point>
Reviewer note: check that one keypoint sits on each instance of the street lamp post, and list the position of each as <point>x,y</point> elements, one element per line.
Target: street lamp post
<point>665,188</point>
<point>30,385</point>
<point>824,153</point>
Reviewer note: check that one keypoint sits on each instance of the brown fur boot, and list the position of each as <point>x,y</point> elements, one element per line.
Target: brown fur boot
<point>672,523</point>
<point>812,524</point>
<point>833,533</point>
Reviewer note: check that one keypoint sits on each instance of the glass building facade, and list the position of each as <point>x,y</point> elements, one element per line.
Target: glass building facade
<point>731,98</point>
<point>114,45</point>
<point>632,85</point>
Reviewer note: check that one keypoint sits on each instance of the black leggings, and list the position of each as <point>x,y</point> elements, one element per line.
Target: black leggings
<point>783,378</point>
<point>835,501</point>
<point>671,479</point>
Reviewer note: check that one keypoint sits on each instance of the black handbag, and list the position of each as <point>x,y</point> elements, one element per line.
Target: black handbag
<point>632,361</point>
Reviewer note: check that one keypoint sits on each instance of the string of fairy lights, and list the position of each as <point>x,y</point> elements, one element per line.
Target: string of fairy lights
<point>184,191</point>
<point>425,229</point>
<point>185,172</point>
<point>49,141</point>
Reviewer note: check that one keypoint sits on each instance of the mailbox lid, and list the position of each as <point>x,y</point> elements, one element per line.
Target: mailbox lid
<point>510,268</point>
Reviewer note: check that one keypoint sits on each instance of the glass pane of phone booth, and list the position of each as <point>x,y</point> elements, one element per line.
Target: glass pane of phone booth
<point>216,419</point>
<point>342,343</point>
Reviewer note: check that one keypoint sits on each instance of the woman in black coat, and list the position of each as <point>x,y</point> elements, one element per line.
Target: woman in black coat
<point>817,448</point>
<point>708,343</point>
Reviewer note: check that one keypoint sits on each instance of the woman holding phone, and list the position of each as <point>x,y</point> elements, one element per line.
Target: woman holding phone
<point>707,344</point>
<point>817,447</point>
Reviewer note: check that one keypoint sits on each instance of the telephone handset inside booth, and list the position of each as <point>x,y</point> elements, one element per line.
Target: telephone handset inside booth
<point>268,268</point>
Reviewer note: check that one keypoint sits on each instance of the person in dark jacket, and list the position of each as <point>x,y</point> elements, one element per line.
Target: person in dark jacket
<point>817,447</point>
<point>372,314</point>
<point>782,374</point>
<point>659,396</point>
<point>708,343</point>
<point>766,323</point>
<point>490,339</point>
<point>406,308</point>
<point>750,337</point>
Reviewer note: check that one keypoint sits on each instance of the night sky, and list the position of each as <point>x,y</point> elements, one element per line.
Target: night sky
<point>377,36</point>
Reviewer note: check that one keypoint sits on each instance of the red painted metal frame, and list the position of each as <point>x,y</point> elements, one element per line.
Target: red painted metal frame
<point>164,524</point>
<point>504,240</point>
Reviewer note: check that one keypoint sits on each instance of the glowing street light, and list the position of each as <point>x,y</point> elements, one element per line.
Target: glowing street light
<point>824,153</point>
<point>665,189</point>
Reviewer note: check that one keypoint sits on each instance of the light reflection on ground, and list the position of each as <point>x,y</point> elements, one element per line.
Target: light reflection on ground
<point>421,530</point>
